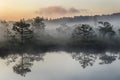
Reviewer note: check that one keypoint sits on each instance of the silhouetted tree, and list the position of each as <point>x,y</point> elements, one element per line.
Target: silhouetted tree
<point>39,28</point>
<point>38,23</point>
<point>83,32</point>
<point>22,28</point>
<point>106,29</point>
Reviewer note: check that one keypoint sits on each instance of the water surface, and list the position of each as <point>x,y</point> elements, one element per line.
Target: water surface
<point>60,65</point>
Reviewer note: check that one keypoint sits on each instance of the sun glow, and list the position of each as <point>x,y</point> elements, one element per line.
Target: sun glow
<point>17,9</point>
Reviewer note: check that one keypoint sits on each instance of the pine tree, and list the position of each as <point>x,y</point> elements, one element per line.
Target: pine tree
<point>22,28</point>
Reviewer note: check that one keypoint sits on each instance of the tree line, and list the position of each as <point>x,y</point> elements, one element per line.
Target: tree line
<point>82,34</point>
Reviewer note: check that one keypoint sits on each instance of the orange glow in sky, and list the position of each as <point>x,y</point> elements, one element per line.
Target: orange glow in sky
<point>17,9</point>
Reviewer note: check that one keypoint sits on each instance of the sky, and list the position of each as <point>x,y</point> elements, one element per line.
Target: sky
<point>18,9</point>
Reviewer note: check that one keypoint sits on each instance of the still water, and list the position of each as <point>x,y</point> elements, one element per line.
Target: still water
<point>60,65</point>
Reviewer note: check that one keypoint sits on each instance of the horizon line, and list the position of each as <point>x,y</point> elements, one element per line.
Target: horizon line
<point>61,17</point>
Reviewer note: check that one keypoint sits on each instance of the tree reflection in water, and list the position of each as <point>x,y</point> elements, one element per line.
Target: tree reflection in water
<point>88,58</point>
<point>84,59</point>
<point>107,59</point>
<point>23,62</point>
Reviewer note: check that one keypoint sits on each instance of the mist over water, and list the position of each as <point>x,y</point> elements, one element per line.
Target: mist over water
<point>60,52</point>
<point>67,40</point>
<point>62,35</point>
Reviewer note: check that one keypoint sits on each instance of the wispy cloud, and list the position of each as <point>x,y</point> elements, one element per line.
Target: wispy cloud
<point>73,10</point>
<point>58,11</point>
